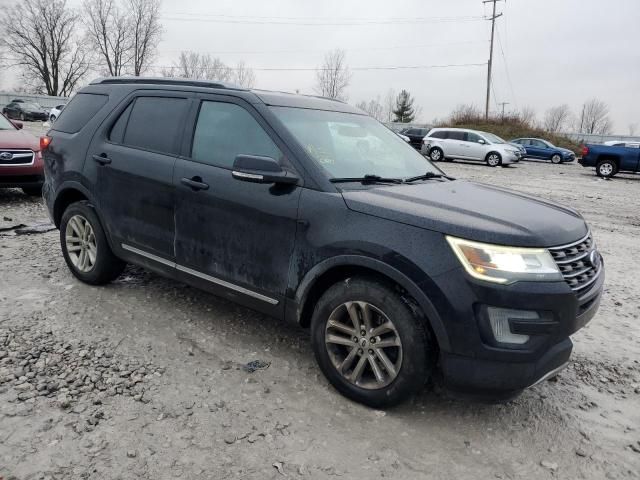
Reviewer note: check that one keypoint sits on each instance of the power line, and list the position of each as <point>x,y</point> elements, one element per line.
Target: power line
<point>308,22</point>
<point>506,69</point>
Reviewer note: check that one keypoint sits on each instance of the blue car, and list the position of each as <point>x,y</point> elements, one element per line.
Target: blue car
<point>544,150</point>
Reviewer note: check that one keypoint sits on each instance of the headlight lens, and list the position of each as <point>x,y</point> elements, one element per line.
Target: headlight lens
<point>499,264</point>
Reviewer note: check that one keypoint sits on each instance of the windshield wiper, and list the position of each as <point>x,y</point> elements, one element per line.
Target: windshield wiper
<point>366,179</point>
<point>428,176</point>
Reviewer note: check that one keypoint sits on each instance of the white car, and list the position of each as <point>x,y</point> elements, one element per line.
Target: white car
<point>464,144</point>
<point>55,112</point>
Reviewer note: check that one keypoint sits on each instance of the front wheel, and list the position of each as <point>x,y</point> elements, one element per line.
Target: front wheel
<point>436,154</point>
<point>606,168</point>
<point>556,158</point>
<point>494,159</point>
<point>85,247</point>
<point>370,343</point>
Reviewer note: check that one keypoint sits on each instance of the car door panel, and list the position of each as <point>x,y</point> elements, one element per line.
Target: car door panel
<point>135,185</point>
<point>234,237</point>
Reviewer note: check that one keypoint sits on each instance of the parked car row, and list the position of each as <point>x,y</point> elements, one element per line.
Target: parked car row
<point>27,111</point>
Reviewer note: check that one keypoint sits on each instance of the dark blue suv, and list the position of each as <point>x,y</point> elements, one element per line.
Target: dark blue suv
<point>308,210</point>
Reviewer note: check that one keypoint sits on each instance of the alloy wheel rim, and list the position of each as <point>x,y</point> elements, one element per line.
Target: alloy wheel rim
<point>363,345</point>
<point>80,241</point>
<point>556,159</point>
<point>493,160</point>
<point>435,155</point>
<point>606,169</point>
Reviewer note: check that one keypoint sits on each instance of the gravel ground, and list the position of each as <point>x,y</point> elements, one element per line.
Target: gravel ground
<point>147,378</point>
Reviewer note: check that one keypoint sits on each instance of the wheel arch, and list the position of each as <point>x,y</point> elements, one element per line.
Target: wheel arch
<point>69,193</point>
<point>336,269</point>
<point>615,159</point>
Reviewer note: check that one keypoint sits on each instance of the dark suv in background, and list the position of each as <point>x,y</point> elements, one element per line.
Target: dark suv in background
<point>306,209</point>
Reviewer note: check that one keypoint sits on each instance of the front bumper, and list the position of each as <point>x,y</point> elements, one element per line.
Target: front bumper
<point>476,364</point>
<point>509,158</point>
<point>17,176</point>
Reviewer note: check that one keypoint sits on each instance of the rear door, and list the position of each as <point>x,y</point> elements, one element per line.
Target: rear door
<point>456,144</point>
<point>233,237</point>
<point>134,157</point>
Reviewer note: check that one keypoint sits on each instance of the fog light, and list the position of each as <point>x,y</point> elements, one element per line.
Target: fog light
<point>499,321</point>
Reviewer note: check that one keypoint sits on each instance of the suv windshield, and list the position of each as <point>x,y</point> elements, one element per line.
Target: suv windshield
<point>492,138</point>
<point>348,145</point>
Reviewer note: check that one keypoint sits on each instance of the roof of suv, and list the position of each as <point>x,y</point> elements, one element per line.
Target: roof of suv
<point>272,98</point>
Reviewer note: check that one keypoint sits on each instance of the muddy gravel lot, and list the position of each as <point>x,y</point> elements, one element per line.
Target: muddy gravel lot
<point>148,378</point>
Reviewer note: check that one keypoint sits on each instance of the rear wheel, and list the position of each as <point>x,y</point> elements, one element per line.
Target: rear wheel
<point>370,344</point>
<point>493,159</point>
<point>85,247</point>
<point>606,168</point>
<point>52,118</point>
<point>556,158</point>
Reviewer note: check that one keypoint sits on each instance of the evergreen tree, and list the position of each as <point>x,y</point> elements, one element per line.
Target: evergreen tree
<point>404,112</point>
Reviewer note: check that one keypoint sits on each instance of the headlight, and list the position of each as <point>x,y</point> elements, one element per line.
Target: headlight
<point>498,264</point>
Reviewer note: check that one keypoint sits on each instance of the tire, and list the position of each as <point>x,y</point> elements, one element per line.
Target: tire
<point>436,154</point>
<point>409,350</point>
<point>22,117</point>
<point>35,191</point>
<point>606,168</point>
<point>493,159</point>
<point>556,158</point>
<point>105,266</point>
<point>52,118</point>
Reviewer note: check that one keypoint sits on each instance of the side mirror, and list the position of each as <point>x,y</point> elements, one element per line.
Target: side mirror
<point>256,169</point>
<point>481,142</point>
<point>17,124</point>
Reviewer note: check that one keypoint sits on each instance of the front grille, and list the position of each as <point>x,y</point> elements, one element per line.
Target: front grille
<point>15,157</point>
<point>577,265</point>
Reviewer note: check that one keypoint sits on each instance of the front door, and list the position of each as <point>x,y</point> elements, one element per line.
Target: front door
<point>233,237</point>
<point>133,162</point>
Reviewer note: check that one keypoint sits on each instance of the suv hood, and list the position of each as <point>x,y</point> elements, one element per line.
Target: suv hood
<point>18,139</point>
<point>473,211</point>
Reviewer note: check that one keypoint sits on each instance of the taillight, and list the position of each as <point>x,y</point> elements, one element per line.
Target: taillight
<point>585,150</point>
<point>44,143</point>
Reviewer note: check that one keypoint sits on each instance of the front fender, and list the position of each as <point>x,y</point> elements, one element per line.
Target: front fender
<point>294,308</point>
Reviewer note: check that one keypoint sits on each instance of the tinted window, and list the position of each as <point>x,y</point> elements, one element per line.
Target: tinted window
<point>538,144</point>
<point>117,131</point>
<point>412,131</point>
<point>455,135</point>
<point>441,134</point>
<point>155,123</point>
<point>79,111</point>
<point>225,130</point>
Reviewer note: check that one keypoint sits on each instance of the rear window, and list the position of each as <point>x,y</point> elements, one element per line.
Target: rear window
<point>155,124</point>
<point>79,111</point>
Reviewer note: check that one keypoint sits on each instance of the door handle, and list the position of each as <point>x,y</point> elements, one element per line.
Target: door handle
<point>102,159</point>
<point>195,183</point>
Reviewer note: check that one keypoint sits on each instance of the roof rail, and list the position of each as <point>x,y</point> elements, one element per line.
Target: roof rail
<point>189,82</point>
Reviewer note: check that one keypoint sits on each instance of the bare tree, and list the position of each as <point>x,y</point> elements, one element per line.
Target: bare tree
<point>556,118</point>
<point>41,37</point>
<point>195,65</point>
<point>389,104</point>
<point>594,118</point>
<point>374,108</point>
<point>146,31</point>
<point>333,76</point>
<point>109,34</point>
<point>243,76</point>
<point>465,114</point>
<point>527,116</point>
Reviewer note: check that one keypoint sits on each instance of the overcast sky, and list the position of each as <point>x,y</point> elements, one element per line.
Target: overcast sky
<point>547,52</point>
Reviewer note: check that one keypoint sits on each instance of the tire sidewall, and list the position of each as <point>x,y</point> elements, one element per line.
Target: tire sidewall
<point>499,159</point>
<point>606,175</point>
<point>106,264</point>
<point>416,359</point>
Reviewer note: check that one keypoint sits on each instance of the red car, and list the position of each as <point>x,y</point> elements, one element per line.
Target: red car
<point>20,159</point>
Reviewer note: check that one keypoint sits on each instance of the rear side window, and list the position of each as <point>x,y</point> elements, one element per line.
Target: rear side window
<point>225,130</point>
<point>442,134</point>
<point>79,111</point>
<point>155,124</point>
<point>455,135</point>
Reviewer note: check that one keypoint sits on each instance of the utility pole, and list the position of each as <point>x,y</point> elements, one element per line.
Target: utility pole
<point>493,28</point>
<point>503,105</point>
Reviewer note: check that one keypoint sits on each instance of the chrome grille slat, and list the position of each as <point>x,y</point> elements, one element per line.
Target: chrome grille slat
<point>574,263</point>
<point>19,157</point>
